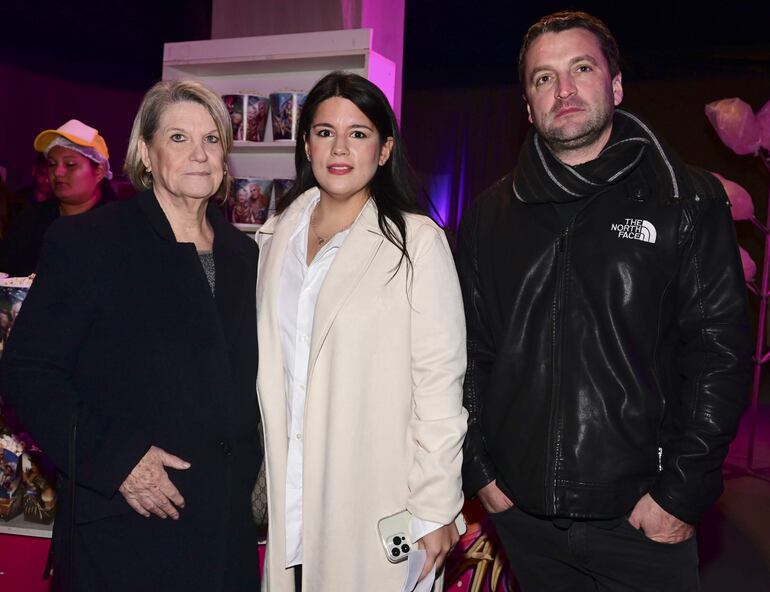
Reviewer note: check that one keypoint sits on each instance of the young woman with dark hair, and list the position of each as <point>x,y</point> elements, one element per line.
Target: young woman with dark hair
<point>362,354</point>
<point>393,187</point>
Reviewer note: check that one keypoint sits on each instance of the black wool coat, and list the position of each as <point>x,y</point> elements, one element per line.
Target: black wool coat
<point>120,346</point>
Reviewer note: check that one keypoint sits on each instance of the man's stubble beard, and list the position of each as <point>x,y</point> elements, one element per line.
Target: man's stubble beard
<point>561,141</point>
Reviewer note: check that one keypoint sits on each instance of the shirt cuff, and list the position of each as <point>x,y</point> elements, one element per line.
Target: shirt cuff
<point>418,528</point>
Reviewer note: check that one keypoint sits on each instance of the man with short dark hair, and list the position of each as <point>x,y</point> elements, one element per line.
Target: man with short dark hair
<point>608,344</point>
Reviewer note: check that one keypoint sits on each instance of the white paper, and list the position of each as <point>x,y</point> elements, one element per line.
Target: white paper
<point>426,584</point>
<point>415,563</point>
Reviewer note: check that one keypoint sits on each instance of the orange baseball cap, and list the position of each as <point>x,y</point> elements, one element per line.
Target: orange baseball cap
<point>77,136</point>
<point>76,132</point>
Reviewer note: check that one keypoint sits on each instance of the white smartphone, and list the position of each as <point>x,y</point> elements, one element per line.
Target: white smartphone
<point>394,534</point>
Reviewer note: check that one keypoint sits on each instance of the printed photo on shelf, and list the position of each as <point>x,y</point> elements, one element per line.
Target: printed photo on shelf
<point>280,188</point>
<point>260,191</point>
<point>257,109</point>
<point>235,107</point>
<point>27,475</point>
<point>285,109</point>
<point>10,476</point>
<point>39,500</point>
<point>13,291</point>
<point>249,202</point>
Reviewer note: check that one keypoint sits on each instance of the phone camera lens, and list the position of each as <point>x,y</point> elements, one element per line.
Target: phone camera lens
<point>395,552</point>
<point>405,548</point>
<point>396,540</point>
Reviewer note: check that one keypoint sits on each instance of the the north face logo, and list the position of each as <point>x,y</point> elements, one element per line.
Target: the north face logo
<point>636,229</point>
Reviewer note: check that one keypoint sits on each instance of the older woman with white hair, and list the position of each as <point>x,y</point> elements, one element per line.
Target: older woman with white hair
<point>133,364</point>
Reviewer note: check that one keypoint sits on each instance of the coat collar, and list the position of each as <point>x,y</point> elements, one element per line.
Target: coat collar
<point>350,265</point>
<point>279,224</point>
<point>231,257</point>
<point>273,238</point>
<point>149,206</point>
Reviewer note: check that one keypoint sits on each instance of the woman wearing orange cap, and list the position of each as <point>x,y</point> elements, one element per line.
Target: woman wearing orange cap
<point>79,172</point>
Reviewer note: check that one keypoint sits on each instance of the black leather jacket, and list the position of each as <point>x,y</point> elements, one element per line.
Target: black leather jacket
<point>600,366</point>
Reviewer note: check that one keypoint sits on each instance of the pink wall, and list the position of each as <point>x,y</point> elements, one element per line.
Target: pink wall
<point>386,18</point>
<point>33,101</point>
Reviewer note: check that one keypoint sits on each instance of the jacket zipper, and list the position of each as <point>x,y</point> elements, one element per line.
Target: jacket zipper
<point>558,309</point>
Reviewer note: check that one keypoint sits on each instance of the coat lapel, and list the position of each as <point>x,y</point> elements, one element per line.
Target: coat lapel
<point>273,240</point>
<point>180,276</point>
<point>350,265</point>
<point>179,268</point>
<point>230,261</point>
<point>232,273</point>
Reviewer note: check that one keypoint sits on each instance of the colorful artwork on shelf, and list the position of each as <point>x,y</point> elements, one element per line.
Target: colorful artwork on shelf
<point>235,108</point>
<point>249,202</point>
<point>13,291</point>
<point>257,109</point>
<point>285,109</point>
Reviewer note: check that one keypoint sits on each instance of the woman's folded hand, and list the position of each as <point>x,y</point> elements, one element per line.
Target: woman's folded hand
<point>148,490</point>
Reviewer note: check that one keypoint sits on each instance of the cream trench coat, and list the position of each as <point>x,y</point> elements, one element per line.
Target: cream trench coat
<point>384,422</point>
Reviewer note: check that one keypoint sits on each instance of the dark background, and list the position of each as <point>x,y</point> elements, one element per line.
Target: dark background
<point>117,43</point>
<point>447,42</point>
<point>469,43</point>
<point>462,109</point>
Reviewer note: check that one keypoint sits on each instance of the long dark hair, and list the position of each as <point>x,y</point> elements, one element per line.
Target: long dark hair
<point>393,187</point>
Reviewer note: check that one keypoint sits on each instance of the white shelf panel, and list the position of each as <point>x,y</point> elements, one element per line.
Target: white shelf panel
<point>267,64</point>
<point>20,527</point>
<point>268,165</point>
<point>262,84</point>
<point>276,46</point>
<point>284,147</point>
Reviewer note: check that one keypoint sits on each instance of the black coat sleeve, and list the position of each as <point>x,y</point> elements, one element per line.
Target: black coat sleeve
<point>713,364</point>
<point>41,360</point>
<point>478,469</point>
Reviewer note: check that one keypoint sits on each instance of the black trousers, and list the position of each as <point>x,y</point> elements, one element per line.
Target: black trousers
<point>606,556</point>
<point>297,578</point>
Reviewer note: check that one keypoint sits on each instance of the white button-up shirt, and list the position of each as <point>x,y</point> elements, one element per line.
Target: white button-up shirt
<point>300,285</point>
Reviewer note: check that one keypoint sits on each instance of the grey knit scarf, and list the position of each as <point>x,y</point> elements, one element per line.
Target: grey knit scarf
<point>541,177</point>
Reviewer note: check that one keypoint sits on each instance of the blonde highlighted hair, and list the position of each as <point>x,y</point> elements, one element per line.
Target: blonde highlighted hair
<point>147,121</point>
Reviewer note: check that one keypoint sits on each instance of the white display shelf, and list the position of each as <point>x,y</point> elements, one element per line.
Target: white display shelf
<point>270,64</point>
<point>21,527</point>
<point>259,147</point>
<point>275,63</point>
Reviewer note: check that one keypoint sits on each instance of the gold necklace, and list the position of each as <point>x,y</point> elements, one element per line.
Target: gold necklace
<point>320,239</point>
